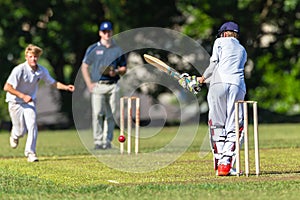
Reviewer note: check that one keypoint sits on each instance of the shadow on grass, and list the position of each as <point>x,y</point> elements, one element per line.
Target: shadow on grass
<point>278,172</point>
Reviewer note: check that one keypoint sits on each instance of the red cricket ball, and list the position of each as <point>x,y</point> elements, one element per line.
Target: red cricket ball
<point>122,138</point>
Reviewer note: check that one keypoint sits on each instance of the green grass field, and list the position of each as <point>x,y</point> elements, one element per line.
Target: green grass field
<point>68,171</point>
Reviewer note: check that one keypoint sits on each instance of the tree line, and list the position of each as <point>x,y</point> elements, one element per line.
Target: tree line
<point>270,32</point>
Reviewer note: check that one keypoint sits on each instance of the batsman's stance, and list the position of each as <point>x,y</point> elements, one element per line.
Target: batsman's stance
<point>21,87</point>
<point>225,75</point>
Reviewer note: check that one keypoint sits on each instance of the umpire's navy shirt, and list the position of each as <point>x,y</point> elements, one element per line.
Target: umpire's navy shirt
<point>98,57</point>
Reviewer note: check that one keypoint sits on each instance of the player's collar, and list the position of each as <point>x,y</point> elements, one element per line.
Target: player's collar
<point>38,68</point>
<point>112,43</point>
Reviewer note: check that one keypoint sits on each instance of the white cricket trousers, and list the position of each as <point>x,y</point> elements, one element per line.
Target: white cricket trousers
<point>23,118</point>
<point>221,100</point>
<point>104,105</point>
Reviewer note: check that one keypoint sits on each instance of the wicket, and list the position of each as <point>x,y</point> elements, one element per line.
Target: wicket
<point>129,122</point>
<point>246,143</point>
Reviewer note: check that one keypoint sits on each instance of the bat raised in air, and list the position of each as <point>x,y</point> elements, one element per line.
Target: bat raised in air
<point>191,84</point>
<point>162,66</point>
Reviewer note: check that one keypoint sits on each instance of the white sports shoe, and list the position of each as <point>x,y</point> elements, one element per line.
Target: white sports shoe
<point>232,172</point>
<point>13,142</point>
<point>32,157</point>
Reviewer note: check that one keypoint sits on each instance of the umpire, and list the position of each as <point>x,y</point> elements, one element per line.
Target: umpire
<point>102,66</point>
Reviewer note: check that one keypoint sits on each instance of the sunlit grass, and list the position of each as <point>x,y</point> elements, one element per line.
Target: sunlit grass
<point>68,171</point>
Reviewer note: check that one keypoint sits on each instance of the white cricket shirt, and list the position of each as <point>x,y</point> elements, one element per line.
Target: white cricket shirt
<point>231,57</point>
<point>26,80</point>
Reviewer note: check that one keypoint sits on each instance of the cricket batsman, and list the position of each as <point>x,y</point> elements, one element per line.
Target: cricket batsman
<point>225,75</point>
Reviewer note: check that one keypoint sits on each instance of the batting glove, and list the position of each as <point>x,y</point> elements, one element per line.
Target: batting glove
<point>184,80</point>
<point>190,83</point>
<point>194,86</point>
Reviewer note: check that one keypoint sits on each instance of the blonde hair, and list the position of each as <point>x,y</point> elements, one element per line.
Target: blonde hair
<point>35,50</point>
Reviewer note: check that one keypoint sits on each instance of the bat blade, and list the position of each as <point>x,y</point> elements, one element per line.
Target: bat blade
<point>162,66</point>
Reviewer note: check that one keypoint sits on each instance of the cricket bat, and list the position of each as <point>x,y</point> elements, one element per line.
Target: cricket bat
<point>162,66</point>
